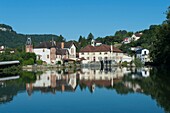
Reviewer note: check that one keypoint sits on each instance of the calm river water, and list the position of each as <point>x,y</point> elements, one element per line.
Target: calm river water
<point>116,90</point>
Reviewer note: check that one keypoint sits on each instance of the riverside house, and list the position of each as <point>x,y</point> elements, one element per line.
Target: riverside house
<point>52,52</point>
<point>102,52</point>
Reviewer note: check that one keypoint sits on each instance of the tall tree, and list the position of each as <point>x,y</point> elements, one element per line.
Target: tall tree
<point>161,47</point>
<point>90,37</point>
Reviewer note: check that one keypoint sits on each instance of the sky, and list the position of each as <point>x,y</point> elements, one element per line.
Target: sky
<point>72,18</point>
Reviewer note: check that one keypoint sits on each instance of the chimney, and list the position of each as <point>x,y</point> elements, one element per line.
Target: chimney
<point>62,45</point>
<point>111,48</point>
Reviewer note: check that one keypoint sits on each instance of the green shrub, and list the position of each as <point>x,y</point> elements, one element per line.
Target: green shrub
<point>125,64</point>
<point>138,62</point>
<point>39,62</point>
<point>30,61</point>
<point>59,62</point>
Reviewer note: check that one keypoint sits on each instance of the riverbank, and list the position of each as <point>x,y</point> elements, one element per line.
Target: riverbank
<point>45,67</point>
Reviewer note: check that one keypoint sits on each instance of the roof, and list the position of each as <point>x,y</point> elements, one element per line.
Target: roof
<point>46,45</point>
<point>66,44</point>
<point>138,34</point>
<point>101,48</point>
<point>97,41</point>
<point>54,44</point>
<point>61,51</point>
<point>139,51</point>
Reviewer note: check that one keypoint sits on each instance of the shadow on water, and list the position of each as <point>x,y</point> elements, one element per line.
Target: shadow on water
<point>148,81</point>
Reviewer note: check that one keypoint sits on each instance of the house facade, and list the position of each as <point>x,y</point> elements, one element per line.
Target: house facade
<point>46,52</point>
<point>143,55</point>
<point>127,40</point>
<point>100,53</point>
<point>51,52</point>
<point>136,36</point>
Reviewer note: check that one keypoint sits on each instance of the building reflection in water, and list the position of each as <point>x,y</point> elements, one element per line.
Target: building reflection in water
<point>67,81</point>
<point>52,81</point>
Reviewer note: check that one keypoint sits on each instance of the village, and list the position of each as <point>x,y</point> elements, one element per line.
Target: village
<point>96,53</point>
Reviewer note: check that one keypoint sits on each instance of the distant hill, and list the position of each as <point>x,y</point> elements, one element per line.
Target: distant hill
<point>11,39</point>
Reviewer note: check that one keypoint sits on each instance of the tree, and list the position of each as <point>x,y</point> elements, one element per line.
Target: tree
<point>80,38</point>
<point>90,37</point>
<point>161,47</point>
<point>60,39</point>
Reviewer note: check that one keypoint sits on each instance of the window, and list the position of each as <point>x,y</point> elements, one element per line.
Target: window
<point>93,53</point>
<point>94,59</point>
<point>100,53</point>
<point>48,56</point>
<point>105,53</point>
<point>72,50</point>
<point>43,50</point>
<point>82,53</point>
<point>87,58</point>
<point>144,52</point>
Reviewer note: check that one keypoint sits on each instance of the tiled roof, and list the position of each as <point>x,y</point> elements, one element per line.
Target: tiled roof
<point>61,52</point>
<point>66,44</point>
<point>138,34</point>
<point>46,45</point>
<point>54,44</point>
<point>101,48</point>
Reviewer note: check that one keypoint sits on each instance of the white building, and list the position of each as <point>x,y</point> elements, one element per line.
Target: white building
<point>95,43</point>
<point>127,40</point>
<point>92,53</point>
<point>46,52</point>
<point>69,46</point>
<point>136,36</point>
<point>143,55</point>
<point>51,52</point>
<point>102,52</point>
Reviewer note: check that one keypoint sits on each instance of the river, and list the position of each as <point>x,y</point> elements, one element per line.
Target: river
<point>116,90</point>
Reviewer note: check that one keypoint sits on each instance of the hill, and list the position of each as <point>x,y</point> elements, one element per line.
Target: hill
<point>12,39</point>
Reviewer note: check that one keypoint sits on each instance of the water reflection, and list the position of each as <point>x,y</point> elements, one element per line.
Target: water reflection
<point>52,81</point>
<point>124,81</point>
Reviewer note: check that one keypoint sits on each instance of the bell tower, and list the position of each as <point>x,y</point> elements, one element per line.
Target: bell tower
<point>29,46</point>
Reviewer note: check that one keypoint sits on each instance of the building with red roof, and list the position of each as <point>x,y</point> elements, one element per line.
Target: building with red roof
<point>99,53</point>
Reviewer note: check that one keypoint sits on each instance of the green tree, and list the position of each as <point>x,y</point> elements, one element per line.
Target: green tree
<point>90,37</point>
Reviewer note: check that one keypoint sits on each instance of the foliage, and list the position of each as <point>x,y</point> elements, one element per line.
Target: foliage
<point>138,62</point>
<point>156,39</point>
<point>39,62</point>
<point>13,70</point>
<point>58,63</point>
<point>124,64</point>
<point>28,77</point>
<point>90,37</point>
<point>24,58</point>
<point>12,39</point>
<point>30,61</point>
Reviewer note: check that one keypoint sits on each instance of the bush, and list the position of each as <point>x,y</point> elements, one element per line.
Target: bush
<point>124,64</point>
<point>59,62</point>
<point>30,61</point>
<point>138,62</point>
<point>39,62</point>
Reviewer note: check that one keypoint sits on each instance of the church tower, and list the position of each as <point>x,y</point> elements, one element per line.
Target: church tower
<point>29,46</point>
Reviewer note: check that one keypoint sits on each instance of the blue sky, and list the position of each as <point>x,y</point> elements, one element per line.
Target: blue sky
<point>73,18</point>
